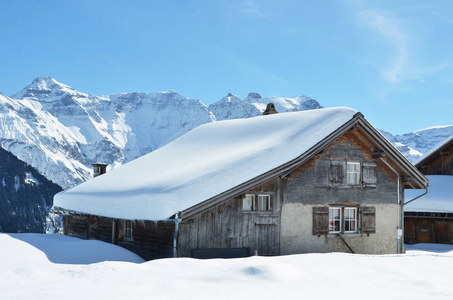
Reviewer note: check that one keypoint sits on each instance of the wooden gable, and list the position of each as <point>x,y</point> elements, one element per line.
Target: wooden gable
<point>438,162</point>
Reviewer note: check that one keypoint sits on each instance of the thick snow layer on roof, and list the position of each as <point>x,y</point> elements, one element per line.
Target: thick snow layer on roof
<point>203,163</point>
<point>438,199</point>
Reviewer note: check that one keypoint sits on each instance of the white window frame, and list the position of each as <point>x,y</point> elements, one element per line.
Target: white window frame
<point>257,203</point>
<point>351,220</point>
<point>353,172</point>
<point>333,220</point>
<point>264,202</point>
<point>128,230</point>
<point>346,219</point>
<point>251,206</point>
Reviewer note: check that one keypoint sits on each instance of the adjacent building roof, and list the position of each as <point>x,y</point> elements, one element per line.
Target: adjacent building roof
<point>439,198</point>
<point>434,151</point>
<point>217,161</point>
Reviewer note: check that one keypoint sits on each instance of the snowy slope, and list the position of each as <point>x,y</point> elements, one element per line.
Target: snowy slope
<point>29,271</point>
<point>207,161</point>
<point>62,132</point>
<point>233,107</point>
<point>415,144</point>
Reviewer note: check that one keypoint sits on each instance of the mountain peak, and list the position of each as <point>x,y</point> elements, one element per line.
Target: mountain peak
<point>45,83</point>
<point>42,86</point>
<point>254,96</point>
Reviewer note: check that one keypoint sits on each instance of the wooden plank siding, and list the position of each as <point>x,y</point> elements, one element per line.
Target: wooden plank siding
<point>439,162</point>
<point>228,226</point>
<point>426,229</point>
<point>150,240</point>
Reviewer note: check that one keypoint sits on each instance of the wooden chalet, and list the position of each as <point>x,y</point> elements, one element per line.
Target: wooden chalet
<point>430,220</point>
<point>323,180</point>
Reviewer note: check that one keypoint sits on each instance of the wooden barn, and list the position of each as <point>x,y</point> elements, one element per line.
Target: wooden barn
<point>313,181</point>
<point>430,220</point>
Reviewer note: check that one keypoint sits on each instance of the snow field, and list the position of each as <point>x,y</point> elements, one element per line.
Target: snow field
<point>28,270</point>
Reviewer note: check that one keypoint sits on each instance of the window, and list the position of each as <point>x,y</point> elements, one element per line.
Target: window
<point>342,219</point>
<point>248,202</point>
<point>128,230</point>
<point>334,219</point>
<point>353,173</point>
<point>350,219</point>
<point>259,202</point>
<point>264,202</point>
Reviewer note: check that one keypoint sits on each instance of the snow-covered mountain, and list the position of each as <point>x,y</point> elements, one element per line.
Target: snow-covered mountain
<point>414,144</point>
<point>233,107</point>
<point>61,131</point>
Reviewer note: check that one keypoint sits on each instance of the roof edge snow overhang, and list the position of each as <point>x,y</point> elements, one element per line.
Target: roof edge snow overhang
<point>418,180</point>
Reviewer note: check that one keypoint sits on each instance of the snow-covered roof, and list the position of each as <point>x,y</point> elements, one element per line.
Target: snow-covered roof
<point>207,161</point>
<point>439,198</point>
<point>433,150</point>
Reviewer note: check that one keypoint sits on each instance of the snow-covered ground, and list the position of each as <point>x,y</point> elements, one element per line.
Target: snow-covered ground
<point>34,266</point>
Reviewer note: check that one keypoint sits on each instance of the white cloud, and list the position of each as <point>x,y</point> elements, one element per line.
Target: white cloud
<point>387,27</point>
<point>251,9</point>
<point>403,64</point>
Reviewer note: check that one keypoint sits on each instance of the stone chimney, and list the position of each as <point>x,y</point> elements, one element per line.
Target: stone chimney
<point>99,169</point>
<point>270,109</point>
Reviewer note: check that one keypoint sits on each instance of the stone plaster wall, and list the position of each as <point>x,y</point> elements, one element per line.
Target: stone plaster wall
<point>297,233</point>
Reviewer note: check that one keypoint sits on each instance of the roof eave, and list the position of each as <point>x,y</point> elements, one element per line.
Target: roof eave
<point>418,180</point>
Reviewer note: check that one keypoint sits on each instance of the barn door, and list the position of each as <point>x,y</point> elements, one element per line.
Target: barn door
<point>267,238</point>
<point>424,234</point>
<point>443,232</point>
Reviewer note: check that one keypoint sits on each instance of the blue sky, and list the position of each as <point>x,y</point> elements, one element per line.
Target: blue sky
<point>391,60</point>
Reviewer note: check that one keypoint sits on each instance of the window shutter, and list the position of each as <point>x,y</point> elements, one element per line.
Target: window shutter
<point>368,220</point>
<point>320,220</point>
<point>337,172</point>
<point>369,174</point>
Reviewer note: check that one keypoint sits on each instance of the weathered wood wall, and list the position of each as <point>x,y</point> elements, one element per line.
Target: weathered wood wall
<point>310,183</point>
<point>439,163</point>
<point>150,240</point>
<point>228,226</point>
<point>430,228</point>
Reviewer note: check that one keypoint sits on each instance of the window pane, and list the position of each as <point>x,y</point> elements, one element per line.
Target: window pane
<point>128,230</point>
<point>264,202</point>
<point>350,219</point>
<point>334,219</point>
<point>247,202</point>
<point>353,174</point>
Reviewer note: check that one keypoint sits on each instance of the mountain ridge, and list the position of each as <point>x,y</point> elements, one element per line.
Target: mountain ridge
<point>62,131</point>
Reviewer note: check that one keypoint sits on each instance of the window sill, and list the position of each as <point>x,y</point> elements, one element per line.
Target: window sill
<point>344,187</point>
<point>344,235</point>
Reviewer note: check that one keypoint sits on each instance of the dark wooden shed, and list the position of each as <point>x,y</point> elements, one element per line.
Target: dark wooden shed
<point>430,220</point>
